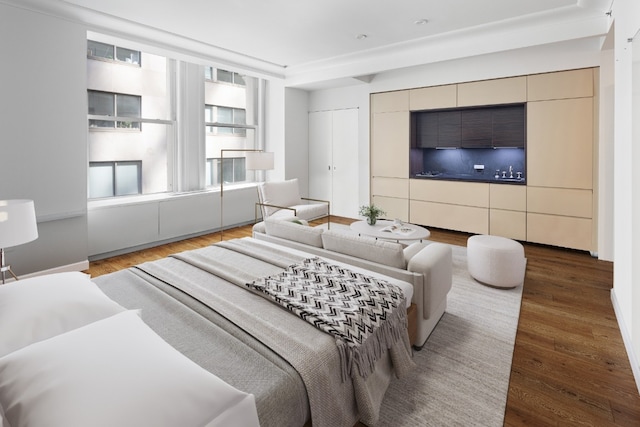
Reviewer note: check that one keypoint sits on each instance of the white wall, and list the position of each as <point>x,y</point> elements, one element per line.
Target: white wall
<point>43,108</point>
<point>626,293</point>
<point>296,133</point>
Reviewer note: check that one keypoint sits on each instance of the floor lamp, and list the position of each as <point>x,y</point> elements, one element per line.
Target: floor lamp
<point>17,226</point>
<point>255,160</point>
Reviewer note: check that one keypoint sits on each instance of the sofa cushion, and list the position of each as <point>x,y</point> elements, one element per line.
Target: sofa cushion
<point>287,229</point>
<point>380,251</point>
<point>280,193</point>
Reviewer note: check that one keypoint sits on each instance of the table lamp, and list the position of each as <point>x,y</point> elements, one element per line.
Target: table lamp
<point>17,226</point>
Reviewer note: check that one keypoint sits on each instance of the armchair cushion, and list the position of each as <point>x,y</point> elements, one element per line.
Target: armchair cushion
<point>280,193</point>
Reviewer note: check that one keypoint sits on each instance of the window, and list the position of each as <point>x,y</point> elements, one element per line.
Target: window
<point>104,51</point>
<point>134,111</point>
<point>234,171</point>
<point>219,75</point>
<point>109,179</point>
<point>114,105</point>
<point>223,116</point>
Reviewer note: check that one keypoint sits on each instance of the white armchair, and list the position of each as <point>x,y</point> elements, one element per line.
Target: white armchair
<point>281,199</point>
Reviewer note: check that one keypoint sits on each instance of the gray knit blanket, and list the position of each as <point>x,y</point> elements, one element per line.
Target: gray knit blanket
<point>217,276</point>
<point>366,315</point>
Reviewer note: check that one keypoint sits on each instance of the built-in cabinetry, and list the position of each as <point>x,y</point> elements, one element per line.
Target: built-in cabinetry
<point>556,206</point>
<point>560,159</point>
<point>390,153</point>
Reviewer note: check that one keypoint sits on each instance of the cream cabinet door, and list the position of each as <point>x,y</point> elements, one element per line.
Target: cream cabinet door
<point>386,102</point>
<point>390,145</point>
<point>561,85</point>
<point>498,91</point>
<point>560,143</point>
<point>451,217</point>
<point>394,207</point>
<point>427,98</point>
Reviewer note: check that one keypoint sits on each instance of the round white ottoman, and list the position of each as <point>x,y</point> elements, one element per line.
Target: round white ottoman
<point>496,261</point>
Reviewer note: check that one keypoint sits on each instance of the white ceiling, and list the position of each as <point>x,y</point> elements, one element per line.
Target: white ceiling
<point>302,37</point>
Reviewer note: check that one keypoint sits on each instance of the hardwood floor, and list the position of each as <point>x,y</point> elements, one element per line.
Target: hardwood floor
<point>570,366</point>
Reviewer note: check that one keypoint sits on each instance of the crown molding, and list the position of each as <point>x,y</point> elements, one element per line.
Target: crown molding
<point>184,48</point>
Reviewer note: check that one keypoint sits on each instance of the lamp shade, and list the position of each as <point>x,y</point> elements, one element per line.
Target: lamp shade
<point>17,222</point>
<point>259,160</point>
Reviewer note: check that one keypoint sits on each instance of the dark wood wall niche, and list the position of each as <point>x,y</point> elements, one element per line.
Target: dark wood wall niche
<point>470,127</point>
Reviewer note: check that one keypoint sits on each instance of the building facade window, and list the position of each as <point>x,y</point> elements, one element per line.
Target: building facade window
<point>114,105</point>
<point>220,75</point>
<point>105,51</point>
<point>110,179</point>
<point>225,117</point>
<point>233,171</point>
<point>133,114</point>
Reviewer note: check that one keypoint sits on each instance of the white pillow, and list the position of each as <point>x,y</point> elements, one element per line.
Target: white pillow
<point>115,372</point>
<point>285,229</point>
<point>369,248</point>
<point>280,193</point>
<point>41,307</point>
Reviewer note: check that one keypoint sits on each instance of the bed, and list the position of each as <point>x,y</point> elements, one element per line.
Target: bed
<point>278,369</point>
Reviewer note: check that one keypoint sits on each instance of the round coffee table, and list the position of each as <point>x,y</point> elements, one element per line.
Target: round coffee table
<point>387,230</point>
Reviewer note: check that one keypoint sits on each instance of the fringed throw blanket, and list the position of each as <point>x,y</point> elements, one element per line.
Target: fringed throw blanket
<point>365,315</point>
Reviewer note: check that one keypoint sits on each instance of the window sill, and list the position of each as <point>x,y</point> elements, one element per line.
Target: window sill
<point>149,198</point>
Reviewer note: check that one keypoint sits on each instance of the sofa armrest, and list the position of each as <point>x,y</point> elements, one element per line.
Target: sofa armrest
<point>435,263</point>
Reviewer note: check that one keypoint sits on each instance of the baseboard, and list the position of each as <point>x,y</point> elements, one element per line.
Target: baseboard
<point>626,338</point>
<point>78,266</point>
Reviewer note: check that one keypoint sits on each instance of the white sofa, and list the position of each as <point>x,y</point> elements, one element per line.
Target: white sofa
<point>427,266</point>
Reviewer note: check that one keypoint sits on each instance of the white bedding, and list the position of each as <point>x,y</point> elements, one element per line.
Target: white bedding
<point>105,370</point>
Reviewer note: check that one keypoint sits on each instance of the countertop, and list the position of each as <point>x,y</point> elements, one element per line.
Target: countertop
<point>470,178</point>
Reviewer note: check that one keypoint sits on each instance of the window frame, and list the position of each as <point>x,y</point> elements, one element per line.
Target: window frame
<point>115,58</point>
<point>116,119</point>
<point>114,177</point>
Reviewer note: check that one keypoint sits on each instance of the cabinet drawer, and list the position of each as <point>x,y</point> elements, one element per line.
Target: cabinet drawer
<point>560,85</point>
<point>391,187</point>
<point>390,101</point>
<point>394,207</point>
<point>509,197</point>
<point>498,91</point>
<point>509,224</point>
<point>428,98</point>
<point>560,201</point>
<point>575,233</point>
<point>452,217</point>
<point>451,192</point>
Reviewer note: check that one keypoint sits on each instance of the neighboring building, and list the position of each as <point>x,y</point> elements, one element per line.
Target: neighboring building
<point>132,122</point>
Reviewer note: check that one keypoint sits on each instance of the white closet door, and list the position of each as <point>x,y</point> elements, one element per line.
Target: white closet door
<point>345,163</point>
<point>320,166</point>
<point>333,159</point>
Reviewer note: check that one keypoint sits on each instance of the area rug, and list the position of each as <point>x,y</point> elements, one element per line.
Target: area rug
<point>463,370</point>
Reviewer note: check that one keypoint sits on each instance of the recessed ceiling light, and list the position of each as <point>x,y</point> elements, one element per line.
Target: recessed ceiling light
<point>361,36</point>
<point>421,21</point>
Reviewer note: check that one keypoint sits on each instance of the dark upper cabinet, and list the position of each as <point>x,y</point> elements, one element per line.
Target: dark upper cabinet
<point>509,126</point>
<point>449,129</point>
<point>477,129</point>
<point>424,132</point>
<point>436,129</point>
<point>481,127</point>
